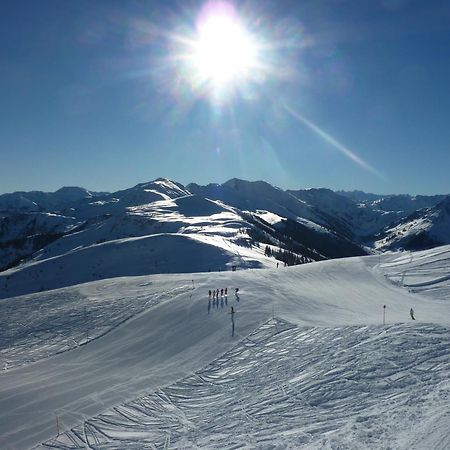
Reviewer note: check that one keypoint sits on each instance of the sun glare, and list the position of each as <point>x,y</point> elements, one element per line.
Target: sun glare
<point>223,52</point>
<point>220,57</point>
<point>228,52</point>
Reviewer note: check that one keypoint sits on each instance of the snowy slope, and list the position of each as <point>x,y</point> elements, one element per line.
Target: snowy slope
<point>21,234</point>
<point>176,370</point>
<point>339,212</point>
<point>29,221</point>
<point>14,228</point>
<point>117,202</point>
<point>403,203</point>
<point>314,233</point>
<point>426,228</point>
<point>154,227</point>
<point>185,234</point>
<point>407,203</point>
<point>254,195</point>
<point>426,272</point>
<point>159,253</point>
<point>273,390</point>
<point>43,201</point>
<point>353,215</point>
<point>159,227</point>
<point>314,223</point>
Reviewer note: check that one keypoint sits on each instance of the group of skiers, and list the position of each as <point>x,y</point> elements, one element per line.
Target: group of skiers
<point>215,293</point>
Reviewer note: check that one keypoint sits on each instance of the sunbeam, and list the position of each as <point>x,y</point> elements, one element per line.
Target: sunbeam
<point>331,140</point>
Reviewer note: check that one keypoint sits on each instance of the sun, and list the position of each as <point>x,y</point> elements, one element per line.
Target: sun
<point>221,55</point>
<point>223,51</point>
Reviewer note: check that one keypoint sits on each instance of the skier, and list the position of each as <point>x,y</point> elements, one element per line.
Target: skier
<point>217,292</point>
<point>236,291</point>
<point>221,292</point>
<point>226,291</point>
<point>209,292</point>
<point>411,312</point>
<point>232,310</point>
<point>214,295</point>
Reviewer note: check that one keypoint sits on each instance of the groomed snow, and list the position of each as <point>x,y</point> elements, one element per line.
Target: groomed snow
<point>163,241</point>
<point>304,363</point>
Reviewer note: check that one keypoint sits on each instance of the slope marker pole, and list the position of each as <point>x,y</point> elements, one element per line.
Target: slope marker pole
<point>384,314</point>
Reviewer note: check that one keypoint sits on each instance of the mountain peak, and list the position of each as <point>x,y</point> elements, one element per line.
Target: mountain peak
<point>72,193</point>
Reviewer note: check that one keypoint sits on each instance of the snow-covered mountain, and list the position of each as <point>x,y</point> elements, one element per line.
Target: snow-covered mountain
<point>111,337</point>
<point>403,203</point>
<point>356,220</point>
<point>22,234</point>
<point>256,195</point>
<point>43,201</point>
<point>84,236</point>
<point>426,228</point>
<point>31,221</point>
<point>354,215</point>
<point>157,227</point>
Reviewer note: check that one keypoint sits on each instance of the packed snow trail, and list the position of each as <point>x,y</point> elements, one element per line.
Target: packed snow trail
<point>62,320</point>
<point>426,272</point>
<point>172,339</point>
<point>350,387</point>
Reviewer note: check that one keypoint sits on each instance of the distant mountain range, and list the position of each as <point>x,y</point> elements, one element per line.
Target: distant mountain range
<point>49,240</point>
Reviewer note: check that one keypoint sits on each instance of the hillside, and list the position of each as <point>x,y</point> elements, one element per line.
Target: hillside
<point>355,216</point>
<point>46,238</point>
<point>155,227</point>
<point>356,220</point>
<point>304,362</point>
<point>427,228</point>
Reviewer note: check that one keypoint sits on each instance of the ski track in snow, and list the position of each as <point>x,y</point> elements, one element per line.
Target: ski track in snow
<point>288,383</point>
<point>285,386</point>
<point>63,320</point>
<point>426,272</point>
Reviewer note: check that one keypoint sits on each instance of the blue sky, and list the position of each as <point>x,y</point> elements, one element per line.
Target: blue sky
<point>354,95</point>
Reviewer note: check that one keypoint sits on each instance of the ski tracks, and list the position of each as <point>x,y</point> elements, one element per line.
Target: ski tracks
<point>63,321</point>
<point>347,387</point>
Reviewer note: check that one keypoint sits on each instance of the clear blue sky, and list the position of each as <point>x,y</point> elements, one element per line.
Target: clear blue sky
<point>353,95</point>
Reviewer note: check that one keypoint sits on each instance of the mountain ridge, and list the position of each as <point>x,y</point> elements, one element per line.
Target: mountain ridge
<point>238,223</point>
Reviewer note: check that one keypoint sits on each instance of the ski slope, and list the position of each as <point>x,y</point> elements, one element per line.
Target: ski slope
<point>150,362</point>
<point>159,237</point>
<point>426,272</point>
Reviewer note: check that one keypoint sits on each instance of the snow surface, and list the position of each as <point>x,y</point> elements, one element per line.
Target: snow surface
<point>305,362</point>
<point>269,217</point>
<point>165,235</point>
<point>429,227</point>
<point>427,272</point>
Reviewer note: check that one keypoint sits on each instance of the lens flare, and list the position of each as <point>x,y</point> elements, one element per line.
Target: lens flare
<point>220,56</point>
<point>332,141</point>
<point>223,51</point>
